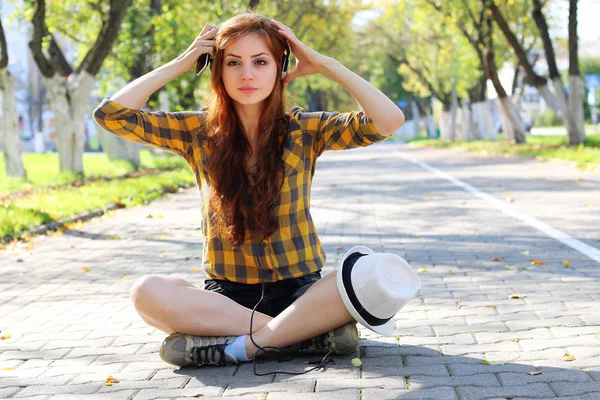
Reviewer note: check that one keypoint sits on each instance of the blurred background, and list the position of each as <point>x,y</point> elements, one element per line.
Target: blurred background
<point>510,76</point>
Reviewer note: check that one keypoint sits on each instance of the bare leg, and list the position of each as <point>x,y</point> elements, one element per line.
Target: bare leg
<point>172,304</point>
<point>319,310</point>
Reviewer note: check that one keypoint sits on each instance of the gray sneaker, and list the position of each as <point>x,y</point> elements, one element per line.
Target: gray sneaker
<point>187,350</point>
<point>341,341</point>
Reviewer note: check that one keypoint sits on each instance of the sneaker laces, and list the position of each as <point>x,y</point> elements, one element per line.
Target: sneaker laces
<point>206,355</point>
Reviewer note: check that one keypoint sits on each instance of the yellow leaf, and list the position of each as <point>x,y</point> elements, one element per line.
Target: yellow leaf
<point>537,262</point>
<point>423,270</point>
<point>162,236</point>
<point>29,246</point>
<point>568,357</point>
<point>159,216</point>
<point>115,199</point>
<point>195,269</point>
<point>163,254</point>
<point>417,304</point>
<point>7,336</point>
<point>85,269</point>
<point>108,384</point>
<point>566,263</point>
<point>127,277</point>
<point>8,369</point>
<point>356,362</point>
<point>451,272</point>
<point>116,237</point>
<point>460,303</point>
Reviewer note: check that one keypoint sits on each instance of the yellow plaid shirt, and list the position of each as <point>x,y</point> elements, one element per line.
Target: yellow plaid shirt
<point>294,249</point>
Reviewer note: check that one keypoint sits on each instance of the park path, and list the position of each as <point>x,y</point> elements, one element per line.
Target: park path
<point>65,300</point>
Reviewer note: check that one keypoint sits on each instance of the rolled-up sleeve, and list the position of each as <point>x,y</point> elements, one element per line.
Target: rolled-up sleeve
<point>338,131</point>
<point>173,131</point>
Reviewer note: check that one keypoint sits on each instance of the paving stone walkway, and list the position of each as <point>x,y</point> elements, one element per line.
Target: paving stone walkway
<point>65,301</point>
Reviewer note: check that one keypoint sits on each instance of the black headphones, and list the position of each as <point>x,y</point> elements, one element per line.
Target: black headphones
<point>204,61</point>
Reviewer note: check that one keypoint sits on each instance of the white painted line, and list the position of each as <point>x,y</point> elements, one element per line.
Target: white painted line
<point>509,210</point>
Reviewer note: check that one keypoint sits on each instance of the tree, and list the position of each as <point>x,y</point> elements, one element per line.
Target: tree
<point>68,87</point>
<point>568,108</point>
<point>11,142</point>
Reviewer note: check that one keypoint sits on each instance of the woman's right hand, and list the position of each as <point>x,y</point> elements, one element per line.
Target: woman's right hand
<point>204,43</point>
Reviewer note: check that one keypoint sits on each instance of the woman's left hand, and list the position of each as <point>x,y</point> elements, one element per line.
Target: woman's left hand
<point>308,61</point>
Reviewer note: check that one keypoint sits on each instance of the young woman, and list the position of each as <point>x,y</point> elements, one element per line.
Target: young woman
<point>254,165</point>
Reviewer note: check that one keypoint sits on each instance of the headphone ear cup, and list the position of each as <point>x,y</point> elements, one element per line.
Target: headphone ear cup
<point>202,63</point>
<point>285,62</point>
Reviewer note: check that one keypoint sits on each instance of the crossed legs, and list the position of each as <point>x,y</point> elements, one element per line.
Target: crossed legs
<point>172,304</point>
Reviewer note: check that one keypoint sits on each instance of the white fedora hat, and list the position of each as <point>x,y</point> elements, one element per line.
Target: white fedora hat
<point>375,286</point>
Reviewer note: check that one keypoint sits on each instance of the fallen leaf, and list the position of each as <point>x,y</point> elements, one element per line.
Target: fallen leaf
<point>163,254</point>
<point>568,357</point>
<point>71,246</point>
<point>7,336</point>
<point>162,236</point>
<point>85,269</point>
<point>486,362</point>
<point>497,259</point>
<point>460,303</point>
<point>159,216</point>
<point>127,277</point>
<point>8,369</point>
<point>534,373</point>
<point>356,362</point>
<point>417,304</point>
<point>516,296</point>
<point>196,269</point>
<point>423,270</point>
<point>566,263</point>
<point>451,272</point>
<point>537,262</point>
<point>116,237</point>
<point>112,379</point>
<point>108,384</point>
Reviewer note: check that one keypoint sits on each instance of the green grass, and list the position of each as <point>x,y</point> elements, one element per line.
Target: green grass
<point>43,169</point>
<point>21,214</point>
<point>586,156</point>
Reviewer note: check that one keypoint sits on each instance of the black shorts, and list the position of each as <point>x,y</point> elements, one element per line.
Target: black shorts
<point>278,295</point>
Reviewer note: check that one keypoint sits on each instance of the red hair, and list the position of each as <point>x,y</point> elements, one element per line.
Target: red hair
<point>233,208</point>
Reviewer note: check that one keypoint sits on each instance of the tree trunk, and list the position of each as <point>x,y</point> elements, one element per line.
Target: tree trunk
<point>466,125</point>
<point>446,128</point>
<point>68,101</point>
<point>488,122</point>
<point>11,142</point>
<point>576,93</point>
<point>512,123</point>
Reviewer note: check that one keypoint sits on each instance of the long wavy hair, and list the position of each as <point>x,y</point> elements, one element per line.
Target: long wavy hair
<point>234,203</point>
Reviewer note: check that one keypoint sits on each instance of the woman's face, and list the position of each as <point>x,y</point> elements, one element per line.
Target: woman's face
<point>248,62</point>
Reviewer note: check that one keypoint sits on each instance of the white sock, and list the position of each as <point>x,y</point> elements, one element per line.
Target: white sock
<point>237,348</point>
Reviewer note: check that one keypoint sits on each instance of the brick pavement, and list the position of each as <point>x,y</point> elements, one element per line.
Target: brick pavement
<point>462,337</point>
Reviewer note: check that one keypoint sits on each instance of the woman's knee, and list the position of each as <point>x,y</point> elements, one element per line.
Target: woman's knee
<point>147,287</point>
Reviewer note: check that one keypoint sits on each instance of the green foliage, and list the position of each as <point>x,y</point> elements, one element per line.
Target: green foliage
<point>585,156</point>
<point>43,169</point>
<point>547,118</point>
<point>51,205</point>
